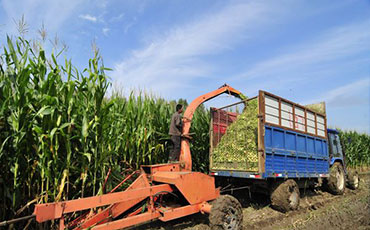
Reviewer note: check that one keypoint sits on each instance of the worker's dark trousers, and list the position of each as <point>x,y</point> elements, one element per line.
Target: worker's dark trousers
<point>176,148</point>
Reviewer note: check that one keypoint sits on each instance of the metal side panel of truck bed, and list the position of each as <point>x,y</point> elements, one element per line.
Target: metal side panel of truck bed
<point>292,141</point>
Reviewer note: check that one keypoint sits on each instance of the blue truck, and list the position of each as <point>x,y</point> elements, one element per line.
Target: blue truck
<point>293,149</point>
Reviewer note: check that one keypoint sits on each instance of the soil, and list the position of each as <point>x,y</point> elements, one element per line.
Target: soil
<point>317,210</point>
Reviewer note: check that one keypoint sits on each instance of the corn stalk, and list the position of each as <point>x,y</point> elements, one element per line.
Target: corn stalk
<point>60,135</point>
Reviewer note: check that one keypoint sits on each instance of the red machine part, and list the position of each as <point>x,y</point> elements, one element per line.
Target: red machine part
<point>197,188</point>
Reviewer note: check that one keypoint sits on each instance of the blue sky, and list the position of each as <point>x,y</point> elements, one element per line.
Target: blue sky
<point>305,51</point>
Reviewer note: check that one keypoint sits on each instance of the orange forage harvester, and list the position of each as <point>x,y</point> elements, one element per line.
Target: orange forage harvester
<point>162,191</point>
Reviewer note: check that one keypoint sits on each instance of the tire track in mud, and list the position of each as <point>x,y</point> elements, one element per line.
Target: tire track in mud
<point>318,210</point>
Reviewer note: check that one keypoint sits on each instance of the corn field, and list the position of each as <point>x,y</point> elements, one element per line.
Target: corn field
<point>60,135</point>
<point>357,148</point>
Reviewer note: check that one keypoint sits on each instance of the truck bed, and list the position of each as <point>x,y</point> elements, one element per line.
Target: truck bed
<point>291,140</point>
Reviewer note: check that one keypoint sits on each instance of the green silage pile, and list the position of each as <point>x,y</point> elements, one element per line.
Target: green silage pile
<point>318,107</point>
<point>237,149</point>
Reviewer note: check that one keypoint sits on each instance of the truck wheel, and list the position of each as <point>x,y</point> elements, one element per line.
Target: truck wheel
<point>336,181</point>
<point>353,180</point>
<point>285,196</point>
<point>226,214</point>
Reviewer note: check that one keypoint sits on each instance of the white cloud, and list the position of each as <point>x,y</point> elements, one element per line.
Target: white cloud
<point>117,18</point>
<point>105,31</point>
<point>175,57</point>
<point>128,25</point>
<point>351,94</point>
<point>348,106</point>
<point>335,45</point>
<point>88,17</point>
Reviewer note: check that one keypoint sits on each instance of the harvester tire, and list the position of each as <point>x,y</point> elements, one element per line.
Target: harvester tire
<point>353,180</point>
<point>226,214</point>
<point>285,196</point>
<point>336,181</point>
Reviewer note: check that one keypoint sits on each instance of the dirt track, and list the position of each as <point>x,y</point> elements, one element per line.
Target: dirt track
<point>318,210</point>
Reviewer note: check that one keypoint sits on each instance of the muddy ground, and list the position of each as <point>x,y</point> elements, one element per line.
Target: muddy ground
<point>318,210</point>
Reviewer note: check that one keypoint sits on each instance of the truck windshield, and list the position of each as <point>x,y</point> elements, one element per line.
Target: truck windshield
<point>335,147</point>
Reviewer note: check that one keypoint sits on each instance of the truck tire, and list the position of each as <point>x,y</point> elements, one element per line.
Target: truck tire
<point>336,181</point>
<point>353,180</point>
<point>285,196</point>
<point>226,214</point>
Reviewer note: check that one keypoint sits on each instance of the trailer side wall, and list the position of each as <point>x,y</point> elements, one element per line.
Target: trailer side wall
<point>293,154</point>
<point>288,115</point>
<point>295,139</point>
<point>292,141</point>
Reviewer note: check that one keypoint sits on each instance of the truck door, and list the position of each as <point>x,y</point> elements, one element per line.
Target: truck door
<point>335,148</point>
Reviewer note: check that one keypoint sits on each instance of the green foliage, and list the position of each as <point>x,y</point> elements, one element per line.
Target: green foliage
<point>356,147</point>
<point>60,135</point>
<point>200,144</point>
<point>51,127</point>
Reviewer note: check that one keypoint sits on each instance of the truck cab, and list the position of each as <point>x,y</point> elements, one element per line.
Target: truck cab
<point>337,158</point>
<point>335,148</point>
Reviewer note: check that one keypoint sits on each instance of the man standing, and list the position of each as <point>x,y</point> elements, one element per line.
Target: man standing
<point>175,133</point>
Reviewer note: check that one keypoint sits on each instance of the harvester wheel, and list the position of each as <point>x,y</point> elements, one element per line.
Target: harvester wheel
<point>226,214</point>
<point>353,180</point>
<point>336,181</point>
<point>285,196</point>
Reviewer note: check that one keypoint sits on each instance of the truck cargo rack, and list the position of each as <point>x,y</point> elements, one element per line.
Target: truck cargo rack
<point>291,139</point>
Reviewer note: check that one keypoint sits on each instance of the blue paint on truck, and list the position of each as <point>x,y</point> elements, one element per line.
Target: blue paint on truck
<point>336,159</point>
<point>293,153</point>
<point>289,154</point>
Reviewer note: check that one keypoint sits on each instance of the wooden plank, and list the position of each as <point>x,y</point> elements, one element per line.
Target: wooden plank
<point>305,119</point>
<point>261,132</point>
<point>326,130</point>
<point>293,115</point>
<point>315,124</point>
<point>280,111</point>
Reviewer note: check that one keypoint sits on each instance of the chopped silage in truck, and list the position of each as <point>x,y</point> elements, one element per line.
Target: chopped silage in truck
<point>237,148</point>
